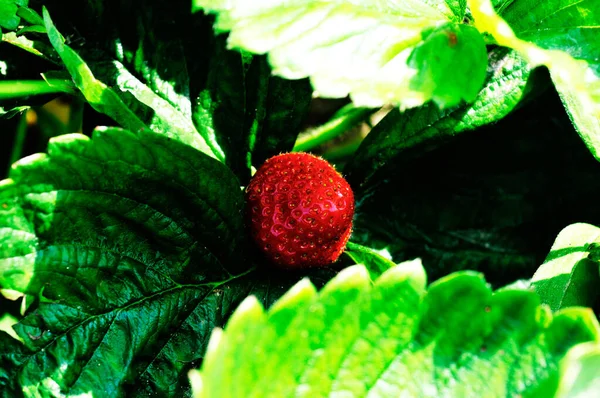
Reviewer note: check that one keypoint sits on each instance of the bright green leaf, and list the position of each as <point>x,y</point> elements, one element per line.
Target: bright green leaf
<point>567,25</point>
<point>568,277</point>
<point>8,13</point>
<point>32,29</point>
<point>442,60</point>
<point>362,49</point>
<point>458,7</point>
<point>393,337</point>
<point>577,81</point>
<point>30,15</point>
<point>579,372</point>
<point>35,47</point>
<point>415,131</point>
<point>101,97</point>
<point>375,261</point>
<point>6,325</point>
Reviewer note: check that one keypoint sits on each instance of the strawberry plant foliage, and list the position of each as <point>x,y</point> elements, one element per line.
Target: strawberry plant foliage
<point>136,243</point>
<point>129,245</point>
<point>393,337</point>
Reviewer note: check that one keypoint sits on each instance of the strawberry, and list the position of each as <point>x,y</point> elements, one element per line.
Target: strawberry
<point>300,210</point>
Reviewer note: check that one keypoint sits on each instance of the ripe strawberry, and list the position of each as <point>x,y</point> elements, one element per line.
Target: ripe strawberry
<point>300,210</point>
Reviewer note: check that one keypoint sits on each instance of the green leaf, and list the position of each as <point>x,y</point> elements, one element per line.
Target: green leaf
<point>577,81</point>
<point>167,67</point>
<point>8,13</point>
<point>567,25</point>
<point>393,337</point>
<point>30,15</point>
<point>492,200</point>
<point>458,7</point>
<point>444,53</point>
<point>100,97</point>
<point>375,261</point>
<point>569,277</point>
<point>286,104</point>
<point>252,115</point>
<point>6,323</point>
<point>406,134</point>
<point>361,49</point>
<point>121,229</point>
<point>579,372</point>
<point>20,74</point>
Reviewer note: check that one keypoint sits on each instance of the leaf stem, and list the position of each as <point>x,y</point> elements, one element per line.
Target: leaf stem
<point>346,118</point>
<point>76,116</point>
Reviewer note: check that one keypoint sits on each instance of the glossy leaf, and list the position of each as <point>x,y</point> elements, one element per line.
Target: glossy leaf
<point>362,49</point>
<point>569,277</point>
<point>406,134</point>
<point>393,337</point>
<point>136,243</point>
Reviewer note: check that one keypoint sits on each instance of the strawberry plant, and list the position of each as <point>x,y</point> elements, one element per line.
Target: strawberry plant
<point>299,198</point>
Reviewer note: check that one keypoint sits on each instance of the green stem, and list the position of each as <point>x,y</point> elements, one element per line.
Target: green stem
<point>346,118</point>
<point>20,135</point>
<point>76,116</point>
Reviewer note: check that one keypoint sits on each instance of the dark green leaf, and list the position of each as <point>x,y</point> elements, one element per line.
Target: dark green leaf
<point>11,355</point>
<point>491,200</point>
<point>286,105</point>
<point>568,277</point>
<point>392,338</point>
<point>123,229</point>
<point>402,135</point>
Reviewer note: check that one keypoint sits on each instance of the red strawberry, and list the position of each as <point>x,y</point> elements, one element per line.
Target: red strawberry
<point>300,210</point>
